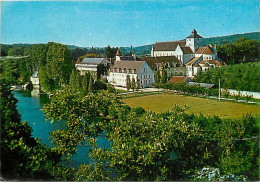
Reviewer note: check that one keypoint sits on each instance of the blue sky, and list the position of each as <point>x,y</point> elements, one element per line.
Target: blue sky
<point>123,22</point>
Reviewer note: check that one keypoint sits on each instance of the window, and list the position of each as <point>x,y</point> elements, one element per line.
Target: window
<point>145,69</point>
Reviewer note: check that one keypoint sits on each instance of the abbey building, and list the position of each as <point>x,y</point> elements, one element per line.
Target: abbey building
<point>190,52</point>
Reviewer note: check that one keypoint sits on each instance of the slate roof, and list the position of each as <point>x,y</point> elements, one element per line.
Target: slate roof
<point>206,85</point>
<point>95,61</point>
<point>178,79</point>
<point>194,34</point>
<point>168,46</point>
<point>186,50</point>
<point>137,65</point>
<point>151,61</point>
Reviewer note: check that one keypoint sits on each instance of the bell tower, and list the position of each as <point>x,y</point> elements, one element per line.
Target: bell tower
<point>194,40</point>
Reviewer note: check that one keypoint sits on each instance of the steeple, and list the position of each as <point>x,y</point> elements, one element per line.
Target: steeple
<point>118,52</point>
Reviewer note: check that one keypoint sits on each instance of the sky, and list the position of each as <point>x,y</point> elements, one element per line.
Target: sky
<point>121,23</point>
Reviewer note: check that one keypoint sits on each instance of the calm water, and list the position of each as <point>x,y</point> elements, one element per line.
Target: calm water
<point>29,106</point>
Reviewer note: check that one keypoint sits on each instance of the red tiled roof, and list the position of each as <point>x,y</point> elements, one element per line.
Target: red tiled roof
<point>178,79</point>
<point>196,65</point>
<point>168,46</point>
<point>219,64</point>
<point>200,50</point>
<point>209,50</point>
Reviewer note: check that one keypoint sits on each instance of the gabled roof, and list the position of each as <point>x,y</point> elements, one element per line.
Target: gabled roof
<point>151,61</point>
<point>186,50</point>
<point>200,50</point>
<point>205,50</point>
<point>95,61</point>
<point>194,34</point>
<point>206,65</point>
<point>209,50</point>
<point>168,46</point>
<point>137,65</point>
<point>191,62</point>
<point>197,65</point>
<point>178,79</point>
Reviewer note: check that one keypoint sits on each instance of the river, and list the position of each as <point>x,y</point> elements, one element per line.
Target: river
<point>29,106</point>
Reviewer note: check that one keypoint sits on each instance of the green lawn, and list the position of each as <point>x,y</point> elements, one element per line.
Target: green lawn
<point>163,102</point>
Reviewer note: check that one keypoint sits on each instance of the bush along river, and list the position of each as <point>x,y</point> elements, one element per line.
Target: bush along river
<point>29,106</point>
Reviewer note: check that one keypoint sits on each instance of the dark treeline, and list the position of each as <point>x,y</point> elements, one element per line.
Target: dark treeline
<point>239,77</point>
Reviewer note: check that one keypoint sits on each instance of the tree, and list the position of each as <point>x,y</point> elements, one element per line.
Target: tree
<point>157,77</point>
<point>110,52</point>
<point>128,82</point>
<point>59,66</point>
<point>22,156</point>
<point>90,84</point>
<point>164,76</point>
<point>133,86</point>
<point>146,145</point>
<point>16,51</point>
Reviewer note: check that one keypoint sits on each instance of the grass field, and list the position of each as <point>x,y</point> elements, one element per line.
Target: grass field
<point>163,102</point>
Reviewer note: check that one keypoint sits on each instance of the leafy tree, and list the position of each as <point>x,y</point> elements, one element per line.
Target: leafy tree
<point>22,156</point>
<point>110,52</point>
<point>16,51</point>
<point>164,77</point>
<point>78,52</point>
<point>149,146</point>
<point>90,84</point>
<point>157,77</point>
<point>133,85</point>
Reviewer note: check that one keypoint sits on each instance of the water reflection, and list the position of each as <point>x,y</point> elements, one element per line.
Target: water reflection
<point>29,105</point>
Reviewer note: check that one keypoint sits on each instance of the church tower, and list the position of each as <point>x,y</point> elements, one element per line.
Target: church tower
<point>118,54</point>
<point>194,40</point>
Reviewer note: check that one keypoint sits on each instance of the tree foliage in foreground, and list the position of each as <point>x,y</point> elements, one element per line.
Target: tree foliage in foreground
<point>22,156</point>
<point>149,146</point>
<point>239,77</point>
